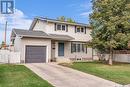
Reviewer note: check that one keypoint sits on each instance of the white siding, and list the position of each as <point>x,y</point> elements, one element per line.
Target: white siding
<point>77,54</point>
<point>68,54</point>
<point>40,26</point>
<point>37,42</point>
<point>17,44</point>
<point>50,29</point>
<point>20,44</point>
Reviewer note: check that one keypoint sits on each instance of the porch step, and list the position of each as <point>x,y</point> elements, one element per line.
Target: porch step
<point>63,60</point>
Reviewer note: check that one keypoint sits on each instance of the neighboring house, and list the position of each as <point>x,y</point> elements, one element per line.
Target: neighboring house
<point>49,39</point>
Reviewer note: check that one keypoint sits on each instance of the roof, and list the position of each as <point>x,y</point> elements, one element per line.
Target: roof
<point>56,21</point>
<point>60,37</point>
<point>29,33</point>
<point>40,34</point>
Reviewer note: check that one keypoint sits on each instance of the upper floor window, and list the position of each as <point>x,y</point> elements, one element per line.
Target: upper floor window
<point>58,27</point>
<point>61,27</point>
<point>80,30</point>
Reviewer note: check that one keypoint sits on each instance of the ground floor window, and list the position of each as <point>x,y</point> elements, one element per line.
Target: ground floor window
<point>78,47</point>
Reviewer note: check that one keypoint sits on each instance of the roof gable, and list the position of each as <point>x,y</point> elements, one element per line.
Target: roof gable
<point>55,21</point>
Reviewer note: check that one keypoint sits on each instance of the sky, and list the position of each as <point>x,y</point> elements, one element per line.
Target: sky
<point>26,10</point>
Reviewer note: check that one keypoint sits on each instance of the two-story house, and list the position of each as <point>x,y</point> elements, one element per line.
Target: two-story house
<point>49,39</point>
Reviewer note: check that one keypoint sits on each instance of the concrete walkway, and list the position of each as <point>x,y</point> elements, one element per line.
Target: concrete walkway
<point>60,76</point>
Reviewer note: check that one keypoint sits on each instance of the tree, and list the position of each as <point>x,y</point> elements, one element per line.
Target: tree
<point>70,20</point>
<point>62,18</point>
<point>2,44</point>
<point>110,21</point>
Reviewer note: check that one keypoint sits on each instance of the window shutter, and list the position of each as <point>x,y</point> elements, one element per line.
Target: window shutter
<point>55,26</point>
<point>85,30</point>
<point>86,50</point>
<point>78,47</point>
<point>66,28</point>
<point>83,47</point>
<point>71,47</point>
<point>75,29</point>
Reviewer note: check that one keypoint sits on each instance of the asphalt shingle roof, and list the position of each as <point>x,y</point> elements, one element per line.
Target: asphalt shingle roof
<point>40,34</point>
<point>60,37</point>
<point>55,21</point>
<point>29,32</point>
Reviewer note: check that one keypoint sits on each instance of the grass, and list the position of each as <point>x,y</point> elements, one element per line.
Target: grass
<point>20,76</point>
<point>119,72</point>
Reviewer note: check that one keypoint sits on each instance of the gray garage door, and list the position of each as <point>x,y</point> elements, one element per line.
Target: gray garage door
<point>35,54</point>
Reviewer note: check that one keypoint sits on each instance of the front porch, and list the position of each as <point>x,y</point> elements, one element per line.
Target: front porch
<point>67,51</point>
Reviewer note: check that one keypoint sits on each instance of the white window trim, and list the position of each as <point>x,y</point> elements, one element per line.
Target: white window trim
<point>61,27</point>
<point>81,51</point>
<point>80,30</point>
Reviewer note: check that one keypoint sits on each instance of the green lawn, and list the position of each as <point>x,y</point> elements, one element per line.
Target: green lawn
<point>20,76</point>
<point>119,73</point>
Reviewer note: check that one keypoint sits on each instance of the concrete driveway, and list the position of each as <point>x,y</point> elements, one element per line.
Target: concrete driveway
<point>60,76</point>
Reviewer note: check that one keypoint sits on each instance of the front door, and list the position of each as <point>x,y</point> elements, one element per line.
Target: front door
<point>60,49</point>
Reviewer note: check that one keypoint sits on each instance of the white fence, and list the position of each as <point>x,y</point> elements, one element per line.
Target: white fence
<point>9,57</point>
<point>119,57</point>
<point>122,58</point>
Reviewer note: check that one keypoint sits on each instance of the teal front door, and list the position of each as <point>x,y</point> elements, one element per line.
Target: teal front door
<point>60,49</point>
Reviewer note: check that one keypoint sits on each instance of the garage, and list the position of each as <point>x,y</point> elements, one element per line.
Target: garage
<point>35,54</point>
